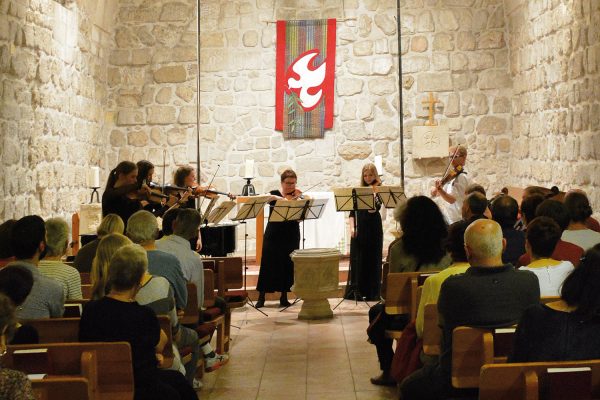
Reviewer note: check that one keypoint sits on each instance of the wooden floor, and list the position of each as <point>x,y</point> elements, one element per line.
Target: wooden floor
<point>281,357</point>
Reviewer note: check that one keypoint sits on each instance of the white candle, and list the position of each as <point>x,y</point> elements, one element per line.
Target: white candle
<point>379,165</point>
<point>94,177</point>
<point>249,170</point>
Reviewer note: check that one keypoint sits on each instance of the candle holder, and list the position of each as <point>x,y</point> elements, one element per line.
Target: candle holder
<point>248,189</point>
<point>95,190</point>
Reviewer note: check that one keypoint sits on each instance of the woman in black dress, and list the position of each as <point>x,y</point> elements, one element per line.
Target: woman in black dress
<point>281,238</point>
<point>366,245</point>
<point>122,192</point>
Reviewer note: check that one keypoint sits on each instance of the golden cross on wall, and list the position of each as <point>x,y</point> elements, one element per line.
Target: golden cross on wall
<point>431,102</point>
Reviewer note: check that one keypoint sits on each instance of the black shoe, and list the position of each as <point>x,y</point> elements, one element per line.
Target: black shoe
<point>260,303</point>
<point>383,380</point>
<point>284,303</point>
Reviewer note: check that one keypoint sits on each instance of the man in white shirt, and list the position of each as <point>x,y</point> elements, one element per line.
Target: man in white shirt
<point>542,235</point>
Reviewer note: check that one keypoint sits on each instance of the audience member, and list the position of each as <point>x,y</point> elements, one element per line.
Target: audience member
<point>528,206</point>
<point>29,245</point>
<point>16,283</point>
<point>475,188</point>
<point>421,248</point>
<point>106,249</point>
<point>118,317</point>
<point>142,228</point>
<point>57,240</point>
<point>542,235</point>
<point>167,221</point>
<point>505,211</point>
<point>579,211</point>
<point>6,252</point>
<point>474,207</point>
<point>489,293</point>
<point>568,329</point>
<point>563,251</point>
<point>112,223</point>
<point>591,222</point>
<point>13,384</point>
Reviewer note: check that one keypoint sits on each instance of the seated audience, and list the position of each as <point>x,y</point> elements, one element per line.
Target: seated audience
<point>542,235</point>
<point>421,248</point>
<point>16,284</point>
<point>505,211</point>
<point>13,384</point>
<point>142,229</point>
<point>118,317</point>
<point>474,207</point>
<point>57,240</point>
<point>568,329</point>
<point>563,251</point>
<point>491,293</point>
<point>112,223</point>
<point>167,222</point>
<point>29,245</point>
<point>475,188</point>
<point>592,223</point>
<point>106,249</point>
<point>6,252</point>
<point>528,206</point>
<point>579,211</point>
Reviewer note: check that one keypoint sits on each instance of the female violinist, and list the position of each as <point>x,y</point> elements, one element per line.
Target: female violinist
<point>157,202</point>
<point>281,238</point>
<point>184,180</point>
<point>451,188</point>
<point>122,192</point>
<point>366,244</point>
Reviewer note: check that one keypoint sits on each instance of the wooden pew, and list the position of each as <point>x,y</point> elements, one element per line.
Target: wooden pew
<point>472,348</point>
<point>522,380</point>
<point>62,388</point>
<point>113,376</point>
<point>229,278</point>
<point>86,291</point>
<point>432,334</point>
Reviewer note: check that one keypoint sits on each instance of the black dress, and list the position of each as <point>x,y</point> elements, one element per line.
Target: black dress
<point>365,255</point>
<point>115,201</point>
<point>276,267</point>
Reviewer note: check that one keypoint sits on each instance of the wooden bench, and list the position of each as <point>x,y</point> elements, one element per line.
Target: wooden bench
<point>472,348</point>
<point>432,334</point>
<point>521,381</point>
<point>62,388</point>
<point>107,366</point>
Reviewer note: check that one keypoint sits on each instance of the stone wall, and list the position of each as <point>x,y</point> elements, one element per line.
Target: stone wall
<point>53,77</point>
<point>555,63</point>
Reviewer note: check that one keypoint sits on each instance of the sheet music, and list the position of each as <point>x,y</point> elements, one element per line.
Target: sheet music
<point>288,210</point>
<point>391,196</point>
<point>221,212</point>
<point>251,208</point>
<point>358,198</point>
<point>315,209</point>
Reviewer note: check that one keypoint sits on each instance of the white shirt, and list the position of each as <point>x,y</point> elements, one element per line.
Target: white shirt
<point>456,188</point>
<point>584,238</point>
<point>191,262</point>
<point>550,274</point>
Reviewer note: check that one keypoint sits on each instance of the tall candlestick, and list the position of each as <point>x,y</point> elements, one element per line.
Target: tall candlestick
<point>94,177</point>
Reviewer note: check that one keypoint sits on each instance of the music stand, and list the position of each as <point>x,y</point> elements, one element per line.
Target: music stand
<point>353,199</point>
<point>391,196</point>
<point>220,212</point>
<point>250,210</point>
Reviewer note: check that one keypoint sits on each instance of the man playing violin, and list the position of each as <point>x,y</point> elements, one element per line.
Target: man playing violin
<point>451,188</point>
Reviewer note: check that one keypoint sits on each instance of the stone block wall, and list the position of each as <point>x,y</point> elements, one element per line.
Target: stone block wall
<point>555,64</point>
<point>52,91</point>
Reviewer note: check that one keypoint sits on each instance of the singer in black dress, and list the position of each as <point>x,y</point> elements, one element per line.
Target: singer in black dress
<point>281,238</point>
<point>366,245</point>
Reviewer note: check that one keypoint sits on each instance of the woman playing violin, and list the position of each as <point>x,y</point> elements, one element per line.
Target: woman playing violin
<point>157,202</point>
<point>281,238</point>
<point>122,192</point>
<point>366,244</point>
<point>451,188</point>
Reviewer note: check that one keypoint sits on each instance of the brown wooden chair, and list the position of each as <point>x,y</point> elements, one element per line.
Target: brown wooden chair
<point>62,388</point>
<point>229,278</point>
<point>432,334</point>
<point>107,366</point>
<point>522,380</point>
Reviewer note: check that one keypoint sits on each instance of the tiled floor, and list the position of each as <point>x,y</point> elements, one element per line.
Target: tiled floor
<point>281,357</point>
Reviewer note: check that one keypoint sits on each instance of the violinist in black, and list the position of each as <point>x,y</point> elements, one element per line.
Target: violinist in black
<point>158,202</point>
<point>122,192</point>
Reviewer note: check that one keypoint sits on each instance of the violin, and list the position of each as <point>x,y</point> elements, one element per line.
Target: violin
<point>201,191</point>
<point>294,195</point>
<point>451,174</point>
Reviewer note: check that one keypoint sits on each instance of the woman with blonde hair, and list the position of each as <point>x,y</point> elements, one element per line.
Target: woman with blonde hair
<point>366,244</point>
<point>106,249</point>
<point>112,223</point>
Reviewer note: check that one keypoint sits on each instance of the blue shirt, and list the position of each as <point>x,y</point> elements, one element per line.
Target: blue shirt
<point>168,266</point>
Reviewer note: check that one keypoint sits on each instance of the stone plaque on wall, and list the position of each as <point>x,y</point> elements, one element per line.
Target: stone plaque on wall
<point>430,142</point>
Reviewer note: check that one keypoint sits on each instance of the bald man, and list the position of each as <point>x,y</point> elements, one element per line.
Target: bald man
<point>489,294</point>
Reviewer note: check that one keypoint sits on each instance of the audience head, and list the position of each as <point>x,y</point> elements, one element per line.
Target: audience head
<point>424,229</point>
<point>505,210</point>
<point>106,249</point>
<point>475,187</point>
<point>126,171</point>
<point>578,206</point>
<point>145,171</point>
<point>186,224</point>
<point>16,283</point>
<point>8,321</point>
<point>541,237</point>
<point>474,204</point>
<point>142,227</point>
<point>455,243</point>
<point>528,207</point>
<point>581,289</point>
<point>556,210</point>
<point>28,239</point>
<point>484,243</point>
<point>112,223</point>
<point>531,190</point>
<point>127,267</point>
<point>57,237</point>
<point>6,228</point>
<point>168,219</point>
<point>369,170</point>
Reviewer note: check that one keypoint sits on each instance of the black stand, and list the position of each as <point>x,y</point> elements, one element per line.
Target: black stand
<point>95,191</point>
<point>248,299</point>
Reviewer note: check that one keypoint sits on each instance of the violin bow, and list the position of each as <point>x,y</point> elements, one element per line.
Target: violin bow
<point>203,197</point>
<point>450,163</point>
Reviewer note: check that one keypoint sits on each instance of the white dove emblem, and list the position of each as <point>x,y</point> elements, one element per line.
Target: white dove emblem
<point>309,78</point>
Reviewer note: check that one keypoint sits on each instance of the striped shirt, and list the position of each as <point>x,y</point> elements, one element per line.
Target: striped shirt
<point>46,299</point>
<point>158,295</point>
<point>68,277</point>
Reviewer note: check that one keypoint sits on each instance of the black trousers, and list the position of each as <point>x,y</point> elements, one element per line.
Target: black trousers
<point>379,321</point>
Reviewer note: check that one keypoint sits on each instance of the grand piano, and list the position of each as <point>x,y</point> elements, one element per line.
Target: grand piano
<point>218,240</point>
